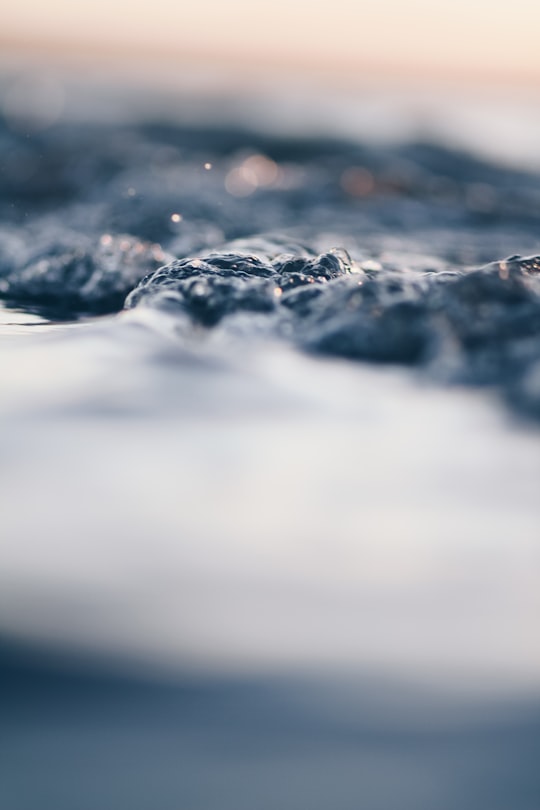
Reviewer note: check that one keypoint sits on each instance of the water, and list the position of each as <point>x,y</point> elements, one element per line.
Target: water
<point>269,515</point>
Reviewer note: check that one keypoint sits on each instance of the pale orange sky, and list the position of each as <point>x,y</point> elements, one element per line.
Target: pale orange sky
<point>497,38</point>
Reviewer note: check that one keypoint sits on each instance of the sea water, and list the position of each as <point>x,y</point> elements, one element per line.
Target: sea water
<point>269,463</point>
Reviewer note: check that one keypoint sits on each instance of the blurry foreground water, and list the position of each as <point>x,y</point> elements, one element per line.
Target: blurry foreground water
<point>270,518</point>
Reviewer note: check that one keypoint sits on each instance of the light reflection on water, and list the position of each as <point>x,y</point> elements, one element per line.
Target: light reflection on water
<point>296,510</point>
<point>298,583</point>
<point>233,513</point>
<point>18,318</point>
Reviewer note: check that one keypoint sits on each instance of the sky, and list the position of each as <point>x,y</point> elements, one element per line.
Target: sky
<point>494,39</point>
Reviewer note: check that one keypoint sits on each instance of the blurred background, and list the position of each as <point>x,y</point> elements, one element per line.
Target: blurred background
<point>483,40</point>
<point>449,70</point>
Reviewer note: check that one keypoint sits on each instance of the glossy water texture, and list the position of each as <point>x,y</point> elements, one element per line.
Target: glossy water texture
<point>103,208</point>
<point>269,467</point>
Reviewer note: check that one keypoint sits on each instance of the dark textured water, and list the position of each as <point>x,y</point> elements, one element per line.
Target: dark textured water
<point>91,213</point>
<point>269,463</point>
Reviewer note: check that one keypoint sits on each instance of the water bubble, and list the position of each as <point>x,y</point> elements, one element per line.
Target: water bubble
<point>241,181</point>
<point>357,181</point>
